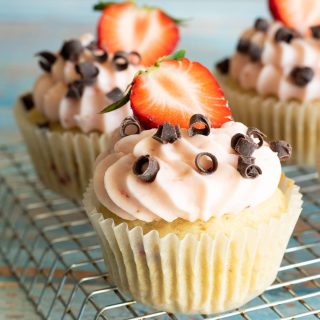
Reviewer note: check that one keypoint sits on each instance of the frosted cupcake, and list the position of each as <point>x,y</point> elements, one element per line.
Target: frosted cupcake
<point>60,119</point>
<point>193,216</point>
<point>272,81</point>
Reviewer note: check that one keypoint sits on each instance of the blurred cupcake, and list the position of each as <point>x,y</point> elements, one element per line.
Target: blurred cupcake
<point>60,119</point>
<point>272,81</point>
<point>192,220</point>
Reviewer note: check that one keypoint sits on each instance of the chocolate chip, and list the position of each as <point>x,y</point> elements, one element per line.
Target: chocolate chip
<point>27,101</point>
<point>47,59</point>
<point>127,124</point>
<point>71,50</point>
<point>261,25</point>
<point>146,168</point>
<point>214,163</point>
<point>75,89</point>
<point>93,45</point>
<point>43,125</point>
<point>167,133</point>
<point>199,120</point>
<point>88,72</point>
<point>243,46</point>
<point>115,94</point>
<point>247,168</point>
<point>134,57</point>
<point>315,30</point>
<point>301,76</point>
<point>255,52</point>
<point>243,145</point>
<point>283,149</point>
<point>100,55</point>
<point>223,66</point>
<point>257,134</point>
<point>285,35</point>
<point>120,60</point>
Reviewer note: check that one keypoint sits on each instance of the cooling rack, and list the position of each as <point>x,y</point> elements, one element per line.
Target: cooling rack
<point>53,252</point>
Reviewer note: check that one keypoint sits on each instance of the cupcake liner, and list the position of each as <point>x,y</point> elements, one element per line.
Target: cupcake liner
<point>292,121</point>
<point>195,275</point>
<point>63,161</point>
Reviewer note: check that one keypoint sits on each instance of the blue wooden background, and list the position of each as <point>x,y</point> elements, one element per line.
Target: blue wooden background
<point>30,26</point>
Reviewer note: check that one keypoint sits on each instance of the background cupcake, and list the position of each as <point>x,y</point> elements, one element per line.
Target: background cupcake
<point>60,119</point>
<point>272,81</point>
<point>192,220</point>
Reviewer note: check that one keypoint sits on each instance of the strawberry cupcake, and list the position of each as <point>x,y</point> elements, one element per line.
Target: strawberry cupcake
<point>193,214</point>
<point>60,119</point>
<point>272,81</point>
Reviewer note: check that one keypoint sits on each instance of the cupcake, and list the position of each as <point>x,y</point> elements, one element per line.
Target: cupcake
<point>60,120</point>
<point>272,81</point>
<point>192,218</point>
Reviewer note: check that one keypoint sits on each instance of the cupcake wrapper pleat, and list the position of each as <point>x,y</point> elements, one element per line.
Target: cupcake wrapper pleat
<point>292,121</point>
<point>195,275</point>
<point>63,161</point>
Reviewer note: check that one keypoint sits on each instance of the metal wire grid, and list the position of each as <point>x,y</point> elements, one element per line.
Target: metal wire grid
<point>54,254</point>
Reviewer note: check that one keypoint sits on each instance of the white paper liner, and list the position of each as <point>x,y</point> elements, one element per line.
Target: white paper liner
<point>63,161</point>
<point>190,275</point>
<point>295,122</point>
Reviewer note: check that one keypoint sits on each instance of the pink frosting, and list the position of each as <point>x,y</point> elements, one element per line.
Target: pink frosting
<point>179,190</point>
<point>50,94</point>
<point>270,76</point>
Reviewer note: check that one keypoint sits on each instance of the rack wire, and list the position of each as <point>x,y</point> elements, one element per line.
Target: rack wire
<point>53,252</point>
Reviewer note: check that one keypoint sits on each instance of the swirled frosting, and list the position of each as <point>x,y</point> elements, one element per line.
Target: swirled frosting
<point>179,190</point>
<point>51,96</point>
<point>271,73</point>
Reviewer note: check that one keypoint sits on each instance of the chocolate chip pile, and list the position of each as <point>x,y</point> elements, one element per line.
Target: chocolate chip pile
<point>146,167</point>
<point>72,50</point>
<point>300,75</point>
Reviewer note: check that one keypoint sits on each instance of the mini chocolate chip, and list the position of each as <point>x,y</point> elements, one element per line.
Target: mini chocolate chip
<point>315,30</point>
<point>257,134</point>
<point>261,25</point>
<point>27,101</point>
<point>88,72</point>
<point>203,121</point>
<point>223,66</point>
<point>71,50</point>
<point>283,149</point>
<point>285,35</point>
<point>115,94</point>
<point>100,55</point>
<point>120,60</point>
<point>167,133</point>
<point>301,76</point>
<point>214,163</point>
<point>75,89</point>
<point>245,146</point>
<point>47,59</point>
<point>255,52</point>
<point>128,123</point>
<point>146,168</point>
<point>247,168</point>
<point>134,57</point>
<point>43,125</point>
<point>243,46</point>
<point>93,45</point>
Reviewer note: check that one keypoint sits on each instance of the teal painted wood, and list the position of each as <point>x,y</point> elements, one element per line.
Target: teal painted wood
<point>30,26</point>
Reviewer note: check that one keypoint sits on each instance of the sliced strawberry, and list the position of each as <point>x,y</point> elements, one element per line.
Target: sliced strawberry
<point>297,14</point>
<point>146,30</point>
<point>174,91</point>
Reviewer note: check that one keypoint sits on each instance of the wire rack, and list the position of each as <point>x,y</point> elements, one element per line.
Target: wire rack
<point>53,252</point>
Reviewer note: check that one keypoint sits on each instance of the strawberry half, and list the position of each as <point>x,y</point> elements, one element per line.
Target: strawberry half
<point>146,30</point>
<point>297,14</point>
<point>173,90</point>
